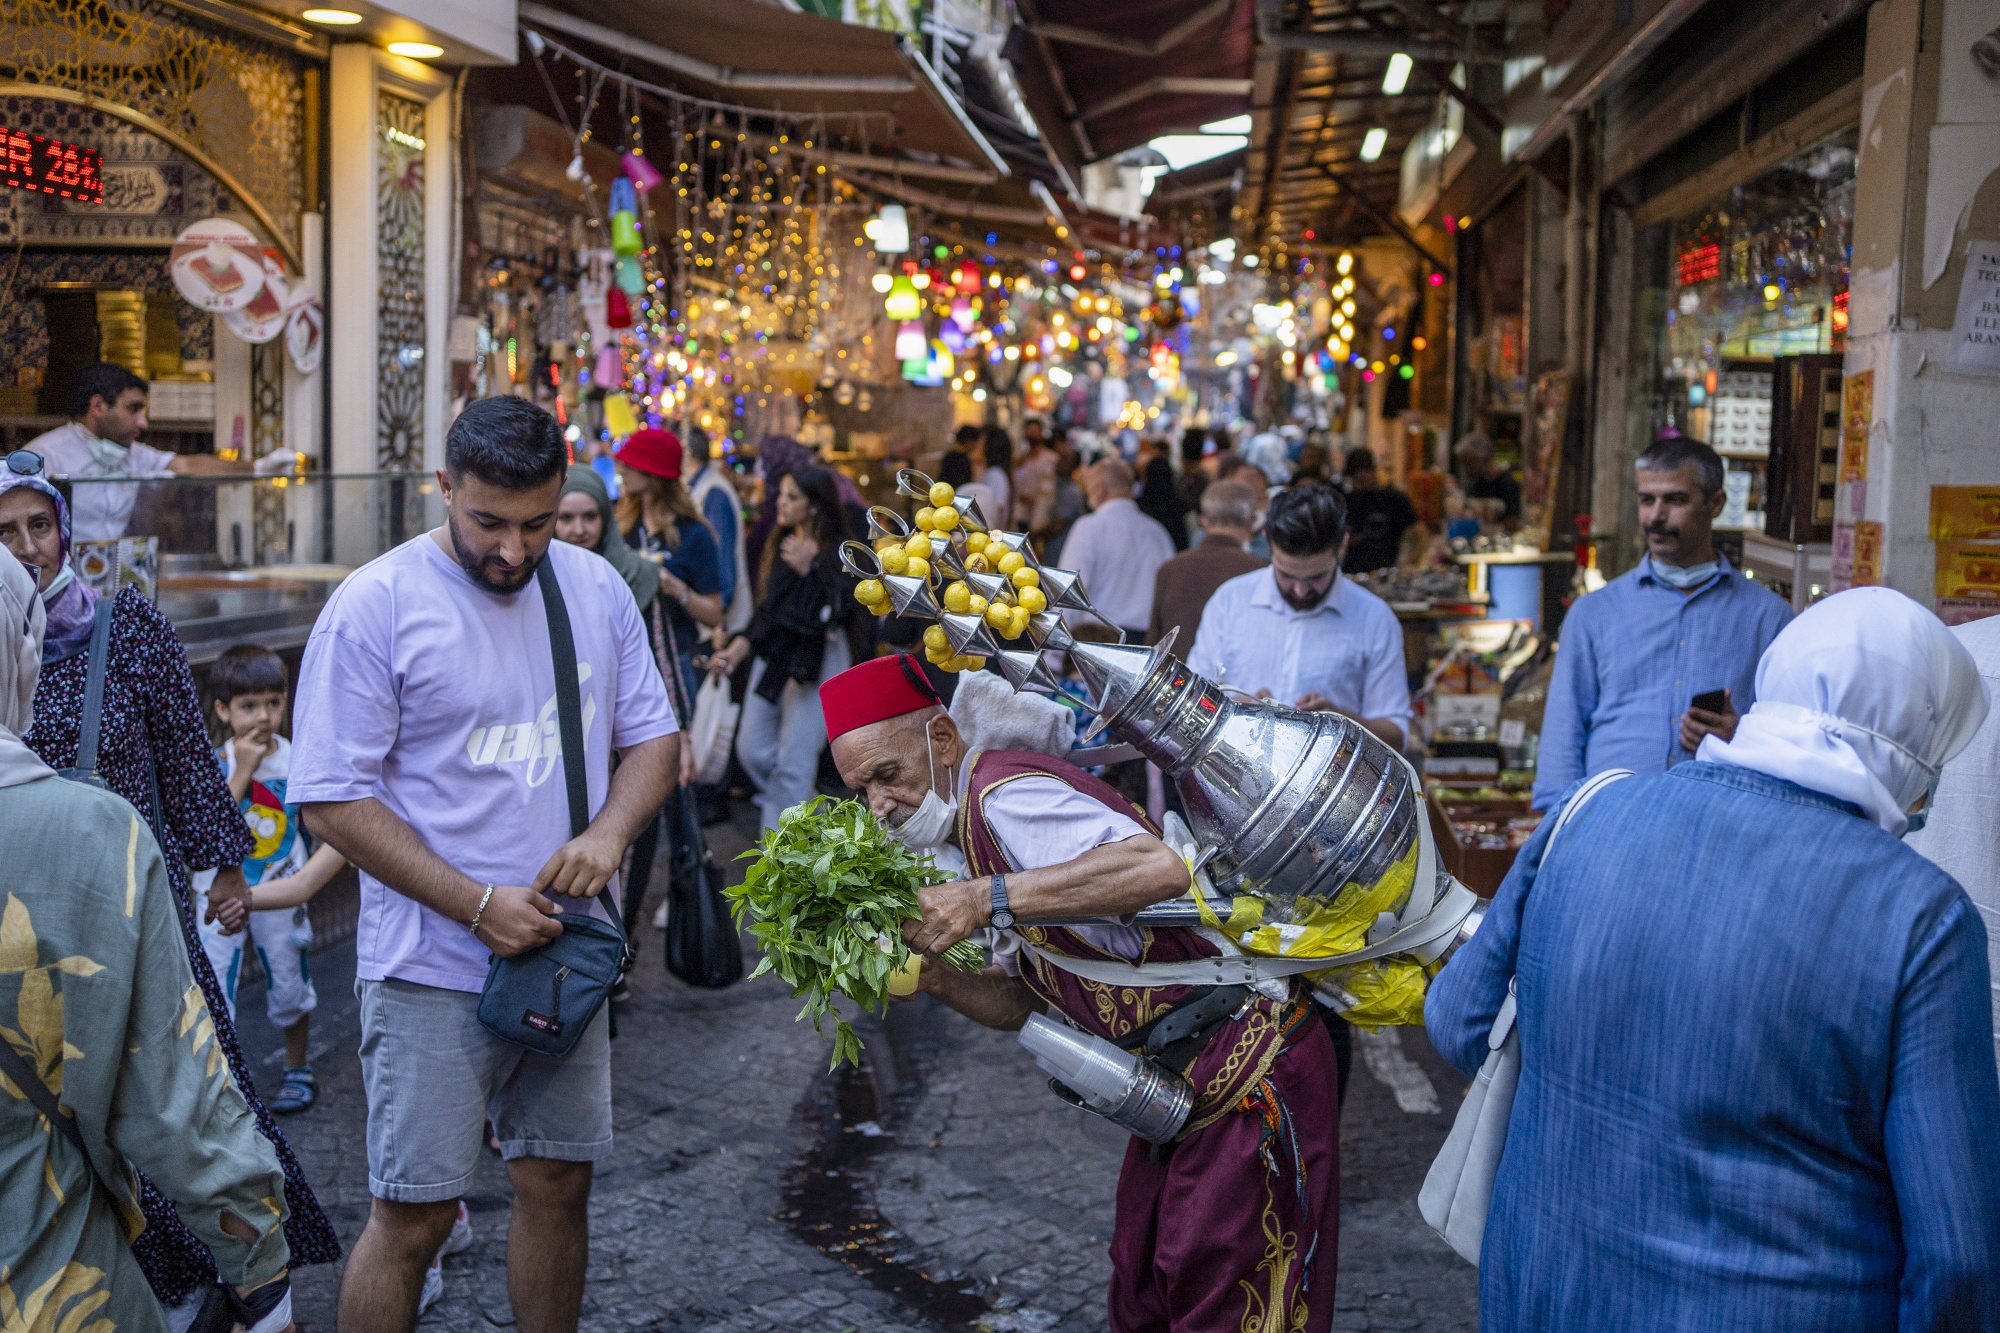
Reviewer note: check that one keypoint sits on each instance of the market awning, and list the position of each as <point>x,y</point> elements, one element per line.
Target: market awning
<point>878,94</point>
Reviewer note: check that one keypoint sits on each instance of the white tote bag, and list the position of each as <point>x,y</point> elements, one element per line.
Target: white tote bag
<point>713,729</point>
<point>1458,1191</point>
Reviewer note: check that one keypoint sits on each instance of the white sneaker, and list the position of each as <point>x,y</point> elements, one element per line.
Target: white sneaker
<point>660,917</point>
<point>460,1239</point>
<point>433,1286</point>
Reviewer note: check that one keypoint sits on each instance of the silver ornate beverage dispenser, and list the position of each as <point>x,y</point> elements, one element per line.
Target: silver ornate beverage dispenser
<point>1310,845</point>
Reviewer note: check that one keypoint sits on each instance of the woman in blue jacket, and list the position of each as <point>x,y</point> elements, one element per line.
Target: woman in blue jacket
<point>1756,1086</point>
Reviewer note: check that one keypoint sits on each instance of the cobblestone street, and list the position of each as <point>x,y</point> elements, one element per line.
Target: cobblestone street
<point>750,1191</point>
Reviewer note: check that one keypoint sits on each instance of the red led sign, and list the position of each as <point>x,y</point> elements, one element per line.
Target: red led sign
<point>30,162</point>
<point>1699,263</point>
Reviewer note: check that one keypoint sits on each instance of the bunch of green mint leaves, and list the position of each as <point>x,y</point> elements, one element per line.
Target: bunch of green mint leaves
<point>826,896</point>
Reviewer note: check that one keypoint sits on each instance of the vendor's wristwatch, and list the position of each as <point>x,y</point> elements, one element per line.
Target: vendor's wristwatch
<point>1003,916</point>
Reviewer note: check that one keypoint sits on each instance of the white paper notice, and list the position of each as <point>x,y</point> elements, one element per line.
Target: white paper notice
<point>1975,335</point>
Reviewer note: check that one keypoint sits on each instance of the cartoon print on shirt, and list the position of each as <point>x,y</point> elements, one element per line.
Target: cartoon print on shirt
<point>536,744</point>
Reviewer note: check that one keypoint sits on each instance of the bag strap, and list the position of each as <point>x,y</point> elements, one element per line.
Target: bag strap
<point>28,1081</point>
<point>93,689</point>
<point>569,709</point>
<point>1503,1022</point>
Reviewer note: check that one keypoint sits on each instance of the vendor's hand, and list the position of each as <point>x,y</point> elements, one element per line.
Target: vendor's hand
<point>1315,702</point>
<point>582,866</point>
<point>799,552</point>
<point>1262,694</point>
<point>231,889</point>
<point>1699,722</point>
<point>951,913</point>
<point>517,919</point>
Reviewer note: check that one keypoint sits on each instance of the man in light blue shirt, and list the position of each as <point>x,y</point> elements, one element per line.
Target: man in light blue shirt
<point>1301,633</point>
<point>1635,653</point>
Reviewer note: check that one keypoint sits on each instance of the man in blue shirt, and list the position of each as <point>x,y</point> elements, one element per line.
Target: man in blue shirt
<point>1635,653</point>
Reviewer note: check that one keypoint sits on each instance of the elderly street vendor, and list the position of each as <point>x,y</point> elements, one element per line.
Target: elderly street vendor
<point>1231,1225</point>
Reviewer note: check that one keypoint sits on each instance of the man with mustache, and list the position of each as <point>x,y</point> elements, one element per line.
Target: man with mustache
<point>1636,653</point>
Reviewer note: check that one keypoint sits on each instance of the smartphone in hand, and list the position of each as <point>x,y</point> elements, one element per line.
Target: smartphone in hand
<point>1711,701</point>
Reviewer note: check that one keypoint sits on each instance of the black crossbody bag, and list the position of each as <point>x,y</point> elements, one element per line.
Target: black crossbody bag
<point>544,999</point>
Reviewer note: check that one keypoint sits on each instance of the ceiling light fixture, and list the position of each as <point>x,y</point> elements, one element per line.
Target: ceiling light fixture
<point>1397,76</point>
<point>1371,146</point>
<point>416,50</point>
<point>333,18</point>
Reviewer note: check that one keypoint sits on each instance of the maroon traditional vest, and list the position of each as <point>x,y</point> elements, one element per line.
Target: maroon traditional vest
<point>1242,1051</point>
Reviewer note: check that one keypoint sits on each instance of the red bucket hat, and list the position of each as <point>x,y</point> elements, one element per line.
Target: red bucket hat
<point>878,689</point>
<point>653,451</point>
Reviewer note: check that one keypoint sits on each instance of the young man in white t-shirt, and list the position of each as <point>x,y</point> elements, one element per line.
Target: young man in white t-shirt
<point>426,748</point>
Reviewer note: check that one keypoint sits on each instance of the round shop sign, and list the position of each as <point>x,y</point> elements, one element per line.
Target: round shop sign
<point>217,265</point>
<point>305,335</point>
<point>264,318</point>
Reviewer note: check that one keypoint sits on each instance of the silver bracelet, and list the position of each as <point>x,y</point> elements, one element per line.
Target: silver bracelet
<point>484,899</point>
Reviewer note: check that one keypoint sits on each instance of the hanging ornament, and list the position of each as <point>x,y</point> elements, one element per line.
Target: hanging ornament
<point>966,278</point>
<point>643,174</point>
<point>609,372</point>
<point>631,279</point>
<point>903,303</point>
<point>575,169</point>
<point>617,309</point>
<point>910,341</point>
<point>622,198</point>
<point>961,315</point>
<point>889,229</point>
<point>619,418</point>
<point>625,233</point>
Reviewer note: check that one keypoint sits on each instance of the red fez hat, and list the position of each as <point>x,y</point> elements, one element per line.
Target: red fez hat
<point>878,689</point>
<point>653,451</point>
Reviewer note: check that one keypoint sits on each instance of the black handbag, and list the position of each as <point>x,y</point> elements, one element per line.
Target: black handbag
<point>544,999</point>
<point>703,948</point>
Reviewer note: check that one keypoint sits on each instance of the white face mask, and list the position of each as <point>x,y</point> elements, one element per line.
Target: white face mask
<point>1683,579</point>
<point>928,826</point>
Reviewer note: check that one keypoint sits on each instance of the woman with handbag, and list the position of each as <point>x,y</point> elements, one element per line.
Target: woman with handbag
<point>151,748</point>
<point>1755,1084</point>
<point>801,635</point>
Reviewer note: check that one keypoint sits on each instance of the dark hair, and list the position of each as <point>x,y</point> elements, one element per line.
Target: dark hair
<point>1194,442</point>
<point>829,518</point>
<point>955,467</point>
<point>247,668</point>
<point>999,450</point>
<point>506,442</point>
<point>698,444</point>
<point>967,435</point>
<point>1678,451</point>
<point>100,379</point>
<point>1359,459</point>
<point>1307,520</point>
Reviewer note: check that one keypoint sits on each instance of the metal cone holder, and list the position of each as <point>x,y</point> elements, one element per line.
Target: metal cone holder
<point>860,560</point>
<point>947,560</point>
<point>970,516</point>
<point>1016,541</point>
<point>993,587</point>
<point>911,596</point>
<point>914,484</point>
<point>1023,668</point>
<point>886,522</point>
<point>968,635</point>
<point>1049,632</point>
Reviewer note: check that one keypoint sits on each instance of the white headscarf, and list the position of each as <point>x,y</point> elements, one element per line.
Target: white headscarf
<point>21,622</point>
<point>1864,698</point>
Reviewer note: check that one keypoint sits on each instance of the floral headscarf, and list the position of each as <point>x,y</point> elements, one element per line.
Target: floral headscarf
<point>71,605</point>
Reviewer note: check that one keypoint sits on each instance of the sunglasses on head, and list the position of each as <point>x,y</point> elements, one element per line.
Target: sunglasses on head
<point>25,463</point>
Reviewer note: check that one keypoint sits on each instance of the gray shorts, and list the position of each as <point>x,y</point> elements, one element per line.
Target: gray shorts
<point>435,1076</point>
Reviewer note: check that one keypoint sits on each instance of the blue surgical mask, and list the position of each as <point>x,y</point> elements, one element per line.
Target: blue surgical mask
<point>1685,579</point>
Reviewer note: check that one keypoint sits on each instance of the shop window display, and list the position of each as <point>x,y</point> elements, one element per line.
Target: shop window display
<point>1757,273</point>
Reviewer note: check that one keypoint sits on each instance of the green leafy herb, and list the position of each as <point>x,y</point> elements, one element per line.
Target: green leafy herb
<point>826,896</point>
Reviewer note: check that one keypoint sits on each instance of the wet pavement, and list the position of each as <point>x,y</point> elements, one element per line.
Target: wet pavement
<point>941,1188</point>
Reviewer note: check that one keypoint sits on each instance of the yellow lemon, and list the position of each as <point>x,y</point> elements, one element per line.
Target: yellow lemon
<point>978,564</point>
<point>999,615</point>
<point>944,520</point>
<point>884,543</point>
<point>884,607</point>
<point>1033,599</point>
<point>976,605</point>
<point>870,591</point>
<point>939,660</point>
<point>903,981</point>
<point>893,558</point>
<point>919,547</point>
<point>973,664</point>
<point>924,518</point>
<point>935,640</point>
<point>918,569</point>
<point>942,494</point>
<point>975,542</point>
<point>1025,578</point>
<point>957,597</point>
<point>1020,624</point>
<point>1010,562</point>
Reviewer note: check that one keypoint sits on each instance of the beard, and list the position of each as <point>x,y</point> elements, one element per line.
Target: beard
<point>488,572</point>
